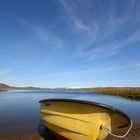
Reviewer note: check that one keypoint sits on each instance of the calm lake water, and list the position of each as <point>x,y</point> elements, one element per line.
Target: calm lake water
<point>19,110</point>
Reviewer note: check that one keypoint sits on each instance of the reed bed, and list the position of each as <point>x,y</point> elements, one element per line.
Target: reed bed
<point>128,92</point>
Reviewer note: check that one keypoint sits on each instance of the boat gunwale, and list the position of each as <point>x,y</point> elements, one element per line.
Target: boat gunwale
<point>93,103</point>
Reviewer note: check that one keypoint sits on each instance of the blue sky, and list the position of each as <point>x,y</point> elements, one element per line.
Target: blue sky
<point>70,43</point>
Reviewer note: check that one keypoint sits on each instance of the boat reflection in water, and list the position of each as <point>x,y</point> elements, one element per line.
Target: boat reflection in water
<point>48,134</point>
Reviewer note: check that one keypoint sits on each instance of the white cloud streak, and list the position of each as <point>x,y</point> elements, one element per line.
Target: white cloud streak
<point>43,34</point>
<point>70,8</point>
<point>81,26</point>
<point>108,47</point>
<point>103,37</point>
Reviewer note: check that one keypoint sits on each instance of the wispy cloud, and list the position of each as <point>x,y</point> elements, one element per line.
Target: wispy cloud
<point>74,18</point>
<point>110,43</point>
<point>106,31</point>
<point>43,34</point>
<point>81,26</point>
<point>69,8</point>
<point>101,38</point>
<point>100,51</point>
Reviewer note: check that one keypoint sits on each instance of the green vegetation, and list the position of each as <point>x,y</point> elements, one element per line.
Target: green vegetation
<point>128,92</point>
<point>3,87</point>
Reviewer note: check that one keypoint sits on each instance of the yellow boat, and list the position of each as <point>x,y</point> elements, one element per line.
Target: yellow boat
<point>82,120</point>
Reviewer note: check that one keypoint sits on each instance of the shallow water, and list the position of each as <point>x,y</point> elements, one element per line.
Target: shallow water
<point>19,110</point>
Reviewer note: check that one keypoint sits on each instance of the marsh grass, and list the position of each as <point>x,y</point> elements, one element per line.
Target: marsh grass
<point>128,92</point>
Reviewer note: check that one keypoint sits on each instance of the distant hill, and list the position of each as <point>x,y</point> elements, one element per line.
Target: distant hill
<point>4,86</point>
<point>7,87</point>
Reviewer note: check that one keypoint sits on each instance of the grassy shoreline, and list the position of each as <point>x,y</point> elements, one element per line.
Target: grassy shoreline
<point>128,92</point>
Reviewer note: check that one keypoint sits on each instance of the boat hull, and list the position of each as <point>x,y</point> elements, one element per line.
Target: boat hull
<point>80,120</point>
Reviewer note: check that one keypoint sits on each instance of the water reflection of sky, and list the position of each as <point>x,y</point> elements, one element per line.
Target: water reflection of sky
<point>21,108</point>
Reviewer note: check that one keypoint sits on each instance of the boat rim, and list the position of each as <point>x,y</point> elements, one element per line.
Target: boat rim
<point>93,103</point>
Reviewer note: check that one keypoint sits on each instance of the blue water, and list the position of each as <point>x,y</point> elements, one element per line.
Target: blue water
<point>19,110</point>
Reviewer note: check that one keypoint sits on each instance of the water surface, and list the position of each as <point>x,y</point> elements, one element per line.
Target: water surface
<point>19,110</point>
